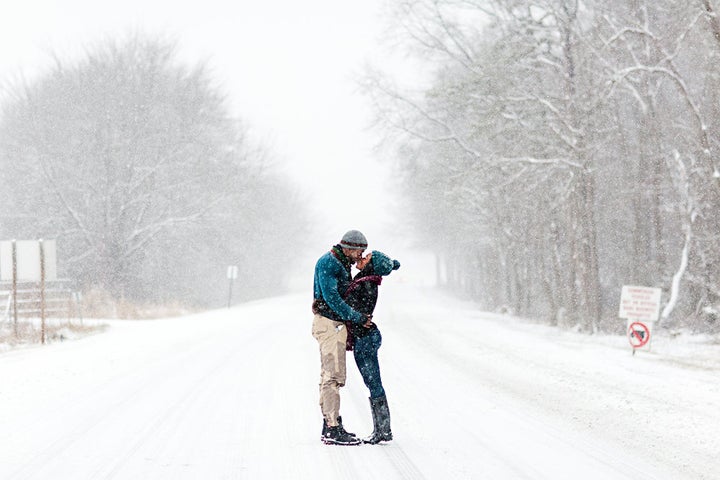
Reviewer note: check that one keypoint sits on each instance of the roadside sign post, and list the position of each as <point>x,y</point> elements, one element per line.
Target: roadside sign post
<point>14,285</point>
<point>42,291</point>
<point>28,261</point>
<point>640,306</point>
<point>232,273</point>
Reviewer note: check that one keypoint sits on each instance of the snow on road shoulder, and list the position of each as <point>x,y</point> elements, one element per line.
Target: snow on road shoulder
<point>663,405</point>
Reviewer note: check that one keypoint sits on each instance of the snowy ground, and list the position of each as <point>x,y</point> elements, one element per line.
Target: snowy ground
<point>232,394</point>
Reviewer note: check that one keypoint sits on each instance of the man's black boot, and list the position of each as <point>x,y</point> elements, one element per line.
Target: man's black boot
<point>338,436</point>
<point>325,428</point>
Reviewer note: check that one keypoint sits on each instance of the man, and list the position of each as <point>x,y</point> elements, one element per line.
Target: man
<point>332,278</point>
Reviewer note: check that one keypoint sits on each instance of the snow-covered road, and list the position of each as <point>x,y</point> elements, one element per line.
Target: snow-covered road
<point>232,394</point>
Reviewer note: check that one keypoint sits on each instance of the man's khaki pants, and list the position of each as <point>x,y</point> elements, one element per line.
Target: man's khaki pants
<point>331,336</point>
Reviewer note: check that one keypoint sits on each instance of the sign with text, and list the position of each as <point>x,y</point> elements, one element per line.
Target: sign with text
<point>640,303</point>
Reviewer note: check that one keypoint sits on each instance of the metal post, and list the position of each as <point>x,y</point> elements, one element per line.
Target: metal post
<point>14,286</point>
<point>77,298</point>
<point>230,293</point>
<point>42,292</point>
<point>232,272</point>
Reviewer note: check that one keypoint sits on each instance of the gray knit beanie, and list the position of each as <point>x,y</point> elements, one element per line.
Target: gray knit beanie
<point>354,240</point>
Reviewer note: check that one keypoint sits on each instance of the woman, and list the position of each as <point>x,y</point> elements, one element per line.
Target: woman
<point>365,339</point>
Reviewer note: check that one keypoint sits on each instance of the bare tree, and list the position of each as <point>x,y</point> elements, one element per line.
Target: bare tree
<point>126,155</point>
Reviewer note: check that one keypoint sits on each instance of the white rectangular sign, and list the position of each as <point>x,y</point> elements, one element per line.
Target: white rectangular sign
<point>28,260</point>
<point>640,303</point>
<point>232,272</point>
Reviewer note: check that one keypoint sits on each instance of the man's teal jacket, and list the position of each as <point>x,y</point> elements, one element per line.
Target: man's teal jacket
<point>332,279</point>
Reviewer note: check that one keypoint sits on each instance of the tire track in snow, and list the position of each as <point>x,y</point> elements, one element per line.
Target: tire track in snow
<point>463,441</point>
<point>65,442</point>
<point>454,446</point>
<point>157,377</point>
<point>197,384</point>
<point>402,463</point>
<point>475,372</point>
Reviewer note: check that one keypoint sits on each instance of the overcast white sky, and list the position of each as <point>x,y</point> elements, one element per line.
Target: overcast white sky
<point>287,66</point>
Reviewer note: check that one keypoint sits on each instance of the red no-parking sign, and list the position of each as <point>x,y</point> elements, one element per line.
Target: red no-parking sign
<point>638,334</point>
